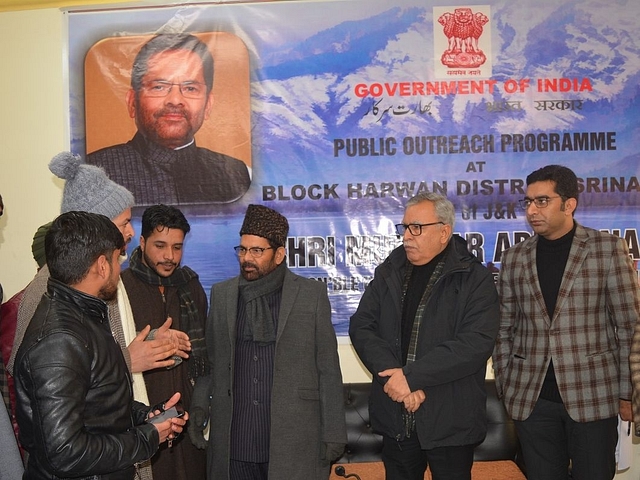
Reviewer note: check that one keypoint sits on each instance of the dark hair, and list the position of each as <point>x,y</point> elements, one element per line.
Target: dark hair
<point>564,178</point>
<point>76,240</point>
<point>171,41</point>
<point>163,216</point>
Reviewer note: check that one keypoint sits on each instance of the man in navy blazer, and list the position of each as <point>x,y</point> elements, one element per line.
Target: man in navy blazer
<point>273,399</point>
<point>569,303</point>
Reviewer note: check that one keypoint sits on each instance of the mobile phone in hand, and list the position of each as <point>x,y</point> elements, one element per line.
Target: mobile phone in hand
<point>174,412</point>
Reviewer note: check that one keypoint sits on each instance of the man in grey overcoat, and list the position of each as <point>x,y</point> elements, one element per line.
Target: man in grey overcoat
<point>273,399</point>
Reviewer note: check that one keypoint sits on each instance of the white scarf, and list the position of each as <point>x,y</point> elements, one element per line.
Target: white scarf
<point>129,329</point>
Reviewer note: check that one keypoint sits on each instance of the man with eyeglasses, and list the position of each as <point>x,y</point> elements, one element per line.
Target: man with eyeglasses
<point>425,328</point>
<point>273,400</point>
<point>569,305</point>
<point>170,98</point>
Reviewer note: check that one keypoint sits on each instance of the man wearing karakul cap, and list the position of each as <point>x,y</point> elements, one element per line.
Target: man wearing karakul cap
<point>275,387</point>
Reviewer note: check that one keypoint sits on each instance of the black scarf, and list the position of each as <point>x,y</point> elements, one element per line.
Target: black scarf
<point>259,325</point>
<point>189,315</point>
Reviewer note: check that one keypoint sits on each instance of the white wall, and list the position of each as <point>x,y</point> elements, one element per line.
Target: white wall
<point>33,128</point>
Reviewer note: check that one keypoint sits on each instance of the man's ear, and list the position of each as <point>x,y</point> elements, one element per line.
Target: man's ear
<point>131,103</point>
<point>445,233</point>
<point>281,252</point>
<point>101,267</point>
<point>570,205</point>
<point>208,106</point>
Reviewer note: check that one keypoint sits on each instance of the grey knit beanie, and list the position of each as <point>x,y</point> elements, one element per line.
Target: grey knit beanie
<point>87,187</point>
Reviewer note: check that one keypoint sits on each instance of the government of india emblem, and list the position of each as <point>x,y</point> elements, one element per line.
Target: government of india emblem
<point>463,29</point>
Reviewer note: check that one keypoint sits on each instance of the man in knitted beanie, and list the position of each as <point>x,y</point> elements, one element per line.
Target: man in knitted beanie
<point>37,245</point>
<point>284,415</point>
<point>88,189</point>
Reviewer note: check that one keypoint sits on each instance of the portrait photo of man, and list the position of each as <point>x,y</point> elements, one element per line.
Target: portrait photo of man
<point>177,108</point>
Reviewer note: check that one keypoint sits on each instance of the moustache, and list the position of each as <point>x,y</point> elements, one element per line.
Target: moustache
<point>171,111</point>
<point>249,265</point>
<point>167,264</point>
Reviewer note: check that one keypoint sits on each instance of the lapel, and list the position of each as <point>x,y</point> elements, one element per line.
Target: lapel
<point>532,281</point>
<point>290,289</point>
<point>232,309</point>
<point>577,256</point>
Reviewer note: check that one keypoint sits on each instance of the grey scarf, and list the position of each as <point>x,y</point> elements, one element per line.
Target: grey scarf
<point>260,325</point>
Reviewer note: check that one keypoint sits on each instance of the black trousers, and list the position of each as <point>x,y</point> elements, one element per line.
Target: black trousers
<point>406,460</point>
<point>551,439</point>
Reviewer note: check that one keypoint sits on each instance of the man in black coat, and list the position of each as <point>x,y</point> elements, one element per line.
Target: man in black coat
<point>425,328</point>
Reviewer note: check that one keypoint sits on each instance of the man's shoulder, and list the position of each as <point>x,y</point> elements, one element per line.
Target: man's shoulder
<point>520,248</point>
<point>221,159</point>
<point>596,236</point>
<point>118,161</point>
<point>194,284</point>
<point>53,317</point>
<point>224,285</point>
<point>113,152</point>
<point>396,260</point>
<point>38,285</point>
<point>32,295</point>
<point>305,282</point>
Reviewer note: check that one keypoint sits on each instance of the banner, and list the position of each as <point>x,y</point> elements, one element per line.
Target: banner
<point>334,113</point>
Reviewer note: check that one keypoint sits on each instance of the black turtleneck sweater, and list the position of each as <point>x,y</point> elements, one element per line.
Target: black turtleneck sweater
<point>418,282</point>
<point>551,259</point>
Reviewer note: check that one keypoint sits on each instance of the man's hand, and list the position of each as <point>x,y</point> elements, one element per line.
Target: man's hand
<point>196,428</point>
<point>396,387</point>
<point>150,354</point>
<point>171,428</point>
<point>625,411</point>
<point>332,451</point>
<point>413,401</point>
<point>179,339</point>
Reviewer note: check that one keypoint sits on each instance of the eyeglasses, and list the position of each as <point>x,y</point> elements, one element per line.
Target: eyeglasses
<point>256,252</point>
<point>415,229</point>
<point>161,88</point>
<point>540,202</point>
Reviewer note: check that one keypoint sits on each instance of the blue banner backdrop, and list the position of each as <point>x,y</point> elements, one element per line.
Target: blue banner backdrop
<point>357,105</point>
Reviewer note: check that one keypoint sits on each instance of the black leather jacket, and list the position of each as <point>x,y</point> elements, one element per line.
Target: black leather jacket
<point>75,406</point>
